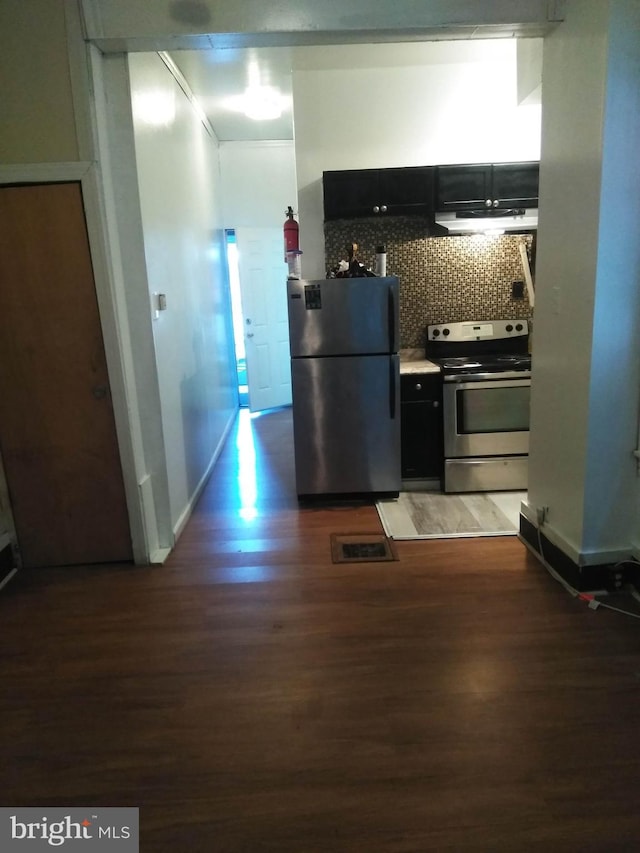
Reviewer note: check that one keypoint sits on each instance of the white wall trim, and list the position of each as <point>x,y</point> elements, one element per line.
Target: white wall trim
<point>258,143</point>
<point>44,173</point>
<point>123,241</point>
<point>188,510</point>
<point>180,79</point>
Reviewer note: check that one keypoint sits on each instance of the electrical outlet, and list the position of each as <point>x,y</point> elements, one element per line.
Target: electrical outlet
<point>517,289</point>
<point>542,513</point>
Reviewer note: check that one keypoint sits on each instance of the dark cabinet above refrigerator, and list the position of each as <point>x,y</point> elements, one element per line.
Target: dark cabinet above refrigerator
<point>356,193</point>
<point>487,186</point>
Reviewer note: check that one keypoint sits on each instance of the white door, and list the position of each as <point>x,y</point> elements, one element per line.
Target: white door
<point>263,287</point>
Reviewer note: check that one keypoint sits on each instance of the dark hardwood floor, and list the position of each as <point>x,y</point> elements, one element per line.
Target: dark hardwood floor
<point>251,695</point>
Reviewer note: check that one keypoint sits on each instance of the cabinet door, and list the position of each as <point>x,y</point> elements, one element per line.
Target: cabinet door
<point>515,184</point>
<point>422,451</point>
<point>357,193</point>
<point>463,187</point>
<point>407,191</point>
<point>350,194</point>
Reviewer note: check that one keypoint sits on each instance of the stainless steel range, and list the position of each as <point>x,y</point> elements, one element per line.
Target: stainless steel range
<point>486,370</point>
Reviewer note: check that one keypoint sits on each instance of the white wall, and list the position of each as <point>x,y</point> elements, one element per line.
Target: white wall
<point>178,171</point>
<point>586,341</point>
<point>456,104</point>
<point>529,53</point>
<point>258,183</point>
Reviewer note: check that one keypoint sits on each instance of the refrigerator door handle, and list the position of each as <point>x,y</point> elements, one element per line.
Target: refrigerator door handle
<point>391,319</point>
<point>392,388</point>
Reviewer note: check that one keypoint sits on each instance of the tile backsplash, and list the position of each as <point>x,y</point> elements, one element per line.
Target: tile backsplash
<point>442,279</point>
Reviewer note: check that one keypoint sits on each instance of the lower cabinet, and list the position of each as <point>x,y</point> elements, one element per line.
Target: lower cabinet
<point>421,426</point>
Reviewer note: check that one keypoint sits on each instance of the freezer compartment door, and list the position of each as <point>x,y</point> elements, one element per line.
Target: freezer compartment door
<point>346,421</point>
<point>343,316</point>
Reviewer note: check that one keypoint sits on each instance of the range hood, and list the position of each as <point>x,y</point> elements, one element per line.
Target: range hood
<point>488,222</point>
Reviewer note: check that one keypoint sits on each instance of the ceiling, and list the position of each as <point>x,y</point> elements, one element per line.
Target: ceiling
<point>215,76</point>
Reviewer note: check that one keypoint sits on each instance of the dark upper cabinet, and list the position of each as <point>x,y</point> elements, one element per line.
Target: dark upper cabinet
<point>515,184</point>
<point>463,187</point>
<point>356,193</point>
<point>487,185</point>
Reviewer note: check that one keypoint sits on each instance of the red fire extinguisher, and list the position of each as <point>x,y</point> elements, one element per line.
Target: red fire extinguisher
<point>291,236</point>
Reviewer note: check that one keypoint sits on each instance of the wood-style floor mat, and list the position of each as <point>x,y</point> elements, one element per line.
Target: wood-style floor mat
<point>433,515</point>
<point>361,548</point>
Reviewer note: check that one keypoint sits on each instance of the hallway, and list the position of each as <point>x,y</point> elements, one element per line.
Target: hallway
<point>251,695</point>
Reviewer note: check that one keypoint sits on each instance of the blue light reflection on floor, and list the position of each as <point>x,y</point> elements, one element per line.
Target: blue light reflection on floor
<point>247,480</point>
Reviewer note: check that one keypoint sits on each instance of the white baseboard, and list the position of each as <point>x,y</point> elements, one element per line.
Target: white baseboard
<point>580,558</point>
<point>158,557</point>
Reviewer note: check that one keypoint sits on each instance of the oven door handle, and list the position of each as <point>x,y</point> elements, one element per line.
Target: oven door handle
<point>494,383</point>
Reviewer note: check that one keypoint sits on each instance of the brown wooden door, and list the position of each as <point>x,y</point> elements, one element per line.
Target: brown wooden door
<point>57,431</point>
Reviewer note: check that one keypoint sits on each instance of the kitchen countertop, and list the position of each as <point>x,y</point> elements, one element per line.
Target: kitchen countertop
<point>413,361</point>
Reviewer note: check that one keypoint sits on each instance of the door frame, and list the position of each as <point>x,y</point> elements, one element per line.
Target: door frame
<point>143,520</point>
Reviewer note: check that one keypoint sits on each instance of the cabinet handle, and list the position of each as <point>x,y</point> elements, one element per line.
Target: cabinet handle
<point>376,209</point>
<point>487,203</point>
<point>383,208</point>
<point>418,386</point>
<point>436,404</point>
<point>496,203</point>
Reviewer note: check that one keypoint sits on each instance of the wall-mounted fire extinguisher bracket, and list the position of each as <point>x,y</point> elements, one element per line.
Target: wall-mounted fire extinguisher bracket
<point>291,233</point>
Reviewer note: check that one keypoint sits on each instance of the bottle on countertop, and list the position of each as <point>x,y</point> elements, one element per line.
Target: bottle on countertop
<point>380,267</point>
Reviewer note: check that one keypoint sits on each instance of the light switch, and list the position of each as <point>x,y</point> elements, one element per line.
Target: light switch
<point>159,302</point>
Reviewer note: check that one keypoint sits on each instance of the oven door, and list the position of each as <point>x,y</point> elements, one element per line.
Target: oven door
<point>486,418</point>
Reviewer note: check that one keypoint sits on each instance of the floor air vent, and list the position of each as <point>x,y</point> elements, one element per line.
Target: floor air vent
<point>361,548</point>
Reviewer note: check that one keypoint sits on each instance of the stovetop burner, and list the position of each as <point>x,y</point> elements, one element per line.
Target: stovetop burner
<point>480,347</point>
<point>492,363</point>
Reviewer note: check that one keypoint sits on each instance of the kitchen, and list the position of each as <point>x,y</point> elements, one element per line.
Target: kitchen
<point>471,111</point>
<point>441,278</point>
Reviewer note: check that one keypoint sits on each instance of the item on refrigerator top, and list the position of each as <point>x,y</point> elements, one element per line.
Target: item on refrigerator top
<point>352,268</point>
<point>345,373</point>
<point>381,261</point>
<point>291,233</point>
<point>293,263</point>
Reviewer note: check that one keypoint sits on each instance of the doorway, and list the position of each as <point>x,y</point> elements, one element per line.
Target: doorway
<point>258,282</point>
<point>238,321</point>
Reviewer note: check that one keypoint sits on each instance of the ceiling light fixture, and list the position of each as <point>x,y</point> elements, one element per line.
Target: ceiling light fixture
<point>259,101</point>
<point>262,103</point>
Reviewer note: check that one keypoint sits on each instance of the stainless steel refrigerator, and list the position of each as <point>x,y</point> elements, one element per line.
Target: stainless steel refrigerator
<point>345,373</point>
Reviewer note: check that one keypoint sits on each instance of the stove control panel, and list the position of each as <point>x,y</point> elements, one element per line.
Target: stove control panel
<point>478,330</point>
